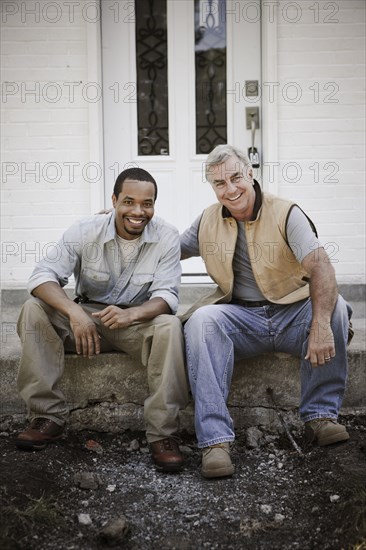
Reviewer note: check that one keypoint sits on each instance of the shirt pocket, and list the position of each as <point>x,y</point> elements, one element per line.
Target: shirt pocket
<point>96,276</point>
<point>140,279</point>
<point>139,286</point>
<point>93,281</point>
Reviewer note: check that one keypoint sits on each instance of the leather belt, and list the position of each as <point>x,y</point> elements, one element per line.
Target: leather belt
<point>249,303</point>
<point>85,300</point>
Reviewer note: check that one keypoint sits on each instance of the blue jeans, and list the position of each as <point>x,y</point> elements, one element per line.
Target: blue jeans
<point>215,334</point>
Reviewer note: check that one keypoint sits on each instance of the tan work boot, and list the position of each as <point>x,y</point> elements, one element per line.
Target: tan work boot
<point>216,461</point>
<point>325,431</point>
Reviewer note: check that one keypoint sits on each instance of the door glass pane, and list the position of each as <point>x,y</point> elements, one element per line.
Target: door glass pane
<point>210,61</point>
<point>152,81</point>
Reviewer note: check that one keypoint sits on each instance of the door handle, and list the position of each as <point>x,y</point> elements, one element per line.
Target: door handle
<point>252,115</point>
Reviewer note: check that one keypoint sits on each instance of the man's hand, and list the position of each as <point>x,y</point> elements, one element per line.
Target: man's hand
<point>321,348</point>
<point>114,317</point>
<point>87,340</point>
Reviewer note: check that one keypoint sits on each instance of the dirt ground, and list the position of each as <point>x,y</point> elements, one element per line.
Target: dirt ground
<point>277,498</point>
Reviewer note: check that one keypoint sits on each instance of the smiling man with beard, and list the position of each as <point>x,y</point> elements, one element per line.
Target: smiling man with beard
<point>127,271</point>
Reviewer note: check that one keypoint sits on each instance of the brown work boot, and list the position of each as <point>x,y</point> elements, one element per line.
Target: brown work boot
<point>166,455</point>
<point>39,433</point>
<point>216,461</point>
<point>325,431</point>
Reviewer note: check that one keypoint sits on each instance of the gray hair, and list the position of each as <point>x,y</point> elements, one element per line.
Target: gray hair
<point>222,153</point>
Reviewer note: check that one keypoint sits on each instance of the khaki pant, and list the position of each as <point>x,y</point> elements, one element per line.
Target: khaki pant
<point>46,334</point>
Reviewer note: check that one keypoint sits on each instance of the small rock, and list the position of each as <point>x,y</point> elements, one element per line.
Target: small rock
<point>111,488</point>
<point>84,519</point>
<point>134,445</point>
<point>4,434</point>
<point>6,424</point>
<point>253,437</point>
<point>144,450</point>
<point>94,446</point>
<point>185,449</point>
<point>87,480</point>
<point>280,465</point>
<point>191,516</point>
<point>315,509</point>
<point>266,508</point>
<point>114,531</point>
<point>279,518</point>
<point>334,498</point>
<point>269,439</point>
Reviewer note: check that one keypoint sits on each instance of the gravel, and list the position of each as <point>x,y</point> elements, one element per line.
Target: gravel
<point>96,490</point>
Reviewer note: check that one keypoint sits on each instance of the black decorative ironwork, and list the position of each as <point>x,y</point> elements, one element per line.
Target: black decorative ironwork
<point>152,77</point>
<point>210,62</point>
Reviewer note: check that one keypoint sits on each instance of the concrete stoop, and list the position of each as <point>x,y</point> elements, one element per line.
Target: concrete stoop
<point>106,393</point>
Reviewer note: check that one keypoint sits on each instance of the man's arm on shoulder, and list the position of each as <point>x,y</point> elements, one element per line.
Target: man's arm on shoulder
<point>189,240</point>
<point>323,295</point>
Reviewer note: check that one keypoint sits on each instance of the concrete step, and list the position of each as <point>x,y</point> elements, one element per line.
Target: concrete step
<point>107,392</point>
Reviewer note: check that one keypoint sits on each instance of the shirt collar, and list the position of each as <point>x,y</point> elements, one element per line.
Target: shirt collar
<point>257,203</point>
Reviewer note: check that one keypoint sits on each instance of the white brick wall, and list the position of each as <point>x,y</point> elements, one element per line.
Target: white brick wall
<point>322,53</point>
<point>44,50</point>
<point>320,58</point>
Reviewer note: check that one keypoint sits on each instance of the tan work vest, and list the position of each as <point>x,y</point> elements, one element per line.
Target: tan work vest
<point>278,274</point>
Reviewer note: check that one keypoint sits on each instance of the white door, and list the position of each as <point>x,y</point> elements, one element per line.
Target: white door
<point>178,75</point>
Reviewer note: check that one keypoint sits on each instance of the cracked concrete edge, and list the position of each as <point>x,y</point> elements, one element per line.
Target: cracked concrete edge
<point>123,385</point>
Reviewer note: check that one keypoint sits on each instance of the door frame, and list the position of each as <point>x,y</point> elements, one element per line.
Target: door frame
<point>269,115</point>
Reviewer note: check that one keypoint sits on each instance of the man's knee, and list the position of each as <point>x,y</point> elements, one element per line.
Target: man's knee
<point>34,324</point>
<point>342,312</point>
<point>204,323</point>
<point>341,319</point>
<point>170,321</point>
<point>205,313</point>
<point>31,313</point>
<point>31,305</point>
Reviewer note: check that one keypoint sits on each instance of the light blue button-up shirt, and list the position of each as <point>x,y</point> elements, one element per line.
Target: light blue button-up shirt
<point>89,250</point>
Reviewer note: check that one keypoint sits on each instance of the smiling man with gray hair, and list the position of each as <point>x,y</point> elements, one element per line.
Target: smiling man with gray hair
<point>276,292</point>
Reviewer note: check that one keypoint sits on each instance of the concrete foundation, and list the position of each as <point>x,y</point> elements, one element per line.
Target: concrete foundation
<point>107,392</point>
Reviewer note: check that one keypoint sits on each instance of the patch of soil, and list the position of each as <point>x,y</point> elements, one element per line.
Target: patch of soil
<point>276,499</point>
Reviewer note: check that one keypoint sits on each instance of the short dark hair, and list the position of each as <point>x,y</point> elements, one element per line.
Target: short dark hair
<point>135,173</point>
